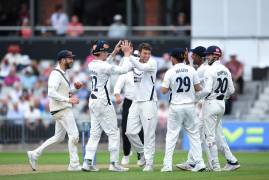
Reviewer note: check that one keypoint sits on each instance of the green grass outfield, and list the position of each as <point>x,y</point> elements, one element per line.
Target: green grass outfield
<point>254,165</point>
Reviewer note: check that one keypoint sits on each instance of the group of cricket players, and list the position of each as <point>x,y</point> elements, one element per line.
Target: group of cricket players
<point>201,86</point>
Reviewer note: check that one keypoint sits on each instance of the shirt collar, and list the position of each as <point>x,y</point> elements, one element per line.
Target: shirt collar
<point>58,67</point>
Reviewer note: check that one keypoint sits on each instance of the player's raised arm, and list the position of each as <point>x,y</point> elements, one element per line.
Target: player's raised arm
<point>127,50</point>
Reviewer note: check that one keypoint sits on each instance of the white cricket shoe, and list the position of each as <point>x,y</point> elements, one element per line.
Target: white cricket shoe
<point>231,167</point>
<point>142,161</point>
<point>199,167</point>
<point>74,168</point>
<point>216,166</point>
<point>32,160</point>
<point>126,159</point>
<point>117,168</point>
<point>185,166</point>
<point>148,168</point>
<point>87,167</point>
<point>166,169</point>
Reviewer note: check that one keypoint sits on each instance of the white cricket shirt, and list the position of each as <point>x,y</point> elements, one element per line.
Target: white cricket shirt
<point>218,82</point>
<point>100,72</point>
<point>144,80</point>
<point>181,79</point>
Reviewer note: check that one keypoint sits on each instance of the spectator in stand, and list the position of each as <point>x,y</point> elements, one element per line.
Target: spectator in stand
<point>75,28</point>
<point>24,101</point>
<point>33,121</point>
<point>47,121</point>
<point>44,100</point>
<point>16,92</point>
<point>182,21</point>
<point>23,14</point>
<point>118,29</point>
<point>15,115</point>
<point>26,31</point>
<point>11,78</point>
<point>13,54</point>
<point>59,20</point>
<point>236,68</point>
<point>3,109</point>
<point>4,68</point>
<point>28,80</point>
<point>15,57</point>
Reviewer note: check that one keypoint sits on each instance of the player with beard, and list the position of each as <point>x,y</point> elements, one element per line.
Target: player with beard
<point>61,99</point>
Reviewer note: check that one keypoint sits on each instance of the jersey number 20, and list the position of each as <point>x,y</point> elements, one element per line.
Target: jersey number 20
<point>183,82</point>
<point>222,85</point>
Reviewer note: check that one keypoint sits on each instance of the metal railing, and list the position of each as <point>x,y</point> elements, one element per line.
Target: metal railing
<point>132,30</point>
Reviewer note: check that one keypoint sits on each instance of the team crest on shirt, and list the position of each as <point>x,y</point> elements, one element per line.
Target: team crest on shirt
<point>137,75</point>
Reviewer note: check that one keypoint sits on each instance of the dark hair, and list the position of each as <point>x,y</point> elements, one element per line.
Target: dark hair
<point>144,46</point>
<point>58,7</point>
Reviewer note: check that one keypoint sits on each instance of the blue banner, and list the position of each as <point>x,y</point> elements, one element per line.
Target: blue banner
<point>242,135</point>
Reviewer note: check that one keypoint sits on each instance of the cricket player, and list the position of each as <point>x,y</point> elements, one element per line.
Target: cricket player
<point>183,82</point>
<point>143,111</point>
<point>198,56</point>
<point>103,115</point>
<point>218,87</point>
<point>61,99</point>
<point>126,82</point>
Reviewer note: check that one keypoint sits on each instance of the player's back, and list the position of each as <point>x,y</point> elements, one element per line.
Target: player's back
<point>99,79</point>
<point>182,80</point>
<point>222,85</point>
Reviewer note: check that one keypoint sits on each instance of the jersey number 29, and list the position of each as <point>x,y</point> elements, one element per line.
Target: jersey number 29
<point>183,82</point>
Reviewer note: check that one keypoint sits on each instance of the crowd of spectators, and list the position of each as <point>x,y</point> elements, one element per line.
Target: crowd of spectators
<point>23,94</point>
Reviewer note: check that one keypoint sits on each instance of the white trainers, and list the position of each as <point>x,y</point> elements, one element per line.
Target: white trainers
<point>148,168</point>
<point>166,169</point>
<point>199,167</point>
<point>32,160</point>
<point>74,168</point>
<point>216,166</point>
<point>231,167</point>
<point>142,161</point>
<point>87,167</point>
<point>185,166</point>
<point>117,168</point>
<point>125,160</point>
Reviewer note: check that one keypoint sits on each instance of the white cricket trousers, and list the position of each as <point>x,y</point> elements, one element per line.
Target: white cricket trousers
<point>213,111</point>
<point>182,116</point>
<point>143,114</point>
<point>64,123</point>
<point>103,118</point>
<point>220,139</point>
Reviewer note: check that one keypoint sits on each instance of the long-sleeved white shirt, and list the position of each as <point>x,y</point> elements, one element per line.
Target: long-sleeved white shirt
<point>144,80</point>
<point>58,90</point>
<point>218,82</point>
<point>100,72</point>
<point>125,82</point>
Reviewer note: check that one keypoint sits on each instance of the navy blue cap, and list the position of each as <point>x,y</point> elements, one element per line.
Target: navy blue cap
<point>99,46</point>
<point>213,50</point>
<point>178,53</point>
<point>65,54</point>
<point>199,50</point>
